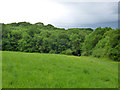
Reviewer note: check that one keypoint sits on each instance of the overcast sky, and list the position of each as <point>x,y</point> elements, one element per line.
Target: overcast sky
<point>61,13</point>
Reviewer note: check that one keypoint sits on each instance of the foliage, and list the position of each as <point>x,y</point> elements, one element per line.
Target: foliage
<point>104,44</point>
<point>67,52</point>
<point>26,37</point>
<point>38,37</point>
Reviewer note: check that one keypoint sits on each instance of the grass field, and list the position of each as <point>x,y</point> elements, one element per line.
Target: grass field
<point>35,70</point>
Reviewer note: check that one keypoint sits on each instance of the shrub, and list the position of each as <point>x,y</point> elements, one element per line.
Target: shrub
<point>99,52</point>
<point>52,51</point>
<point>63,52</point>
<point>68,52</point>
<point>84,53</point>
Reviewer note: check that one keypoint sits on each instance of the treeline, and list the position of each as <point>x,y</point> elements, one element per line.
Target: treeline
<point>26,37</point>
<point>103,42</point>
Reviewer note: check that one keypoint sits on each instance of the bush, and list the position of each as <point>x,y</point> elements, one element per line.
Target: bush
<point>63,52</point>
<point>114,54</point>
<point>52,51</point>
<point>98,52</point>
<point>67,52</point>
<point>84,54</point>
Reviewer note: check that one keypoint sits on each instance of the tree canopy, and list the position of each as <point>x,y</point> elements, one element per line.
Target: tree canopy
<point>27,37</point>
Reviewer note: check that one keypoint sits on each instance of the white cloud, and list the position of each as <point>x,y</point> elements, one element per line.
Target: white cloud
<point>84,0</point>
<point>59,12</point>
<point>30,10</point>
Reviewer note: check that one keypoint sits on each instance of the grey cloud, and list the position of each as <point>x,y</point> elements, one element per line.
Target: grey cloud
<point>89,13</point>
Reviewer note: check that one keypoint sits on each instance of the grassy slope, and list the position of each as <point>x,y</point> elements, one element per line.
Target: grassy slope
<point>35,70</point>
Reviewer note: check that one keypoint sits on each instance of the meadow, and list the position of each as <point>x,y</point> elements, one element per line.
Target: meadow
<point>40,70</point>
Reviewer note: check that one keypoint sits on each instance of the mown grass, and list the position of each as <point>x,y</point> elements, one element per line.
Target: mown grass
<point>35,70</point>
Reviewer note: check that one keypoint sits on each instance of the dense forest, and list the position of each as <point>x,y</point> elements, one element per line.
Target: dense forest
<point>27,37</point>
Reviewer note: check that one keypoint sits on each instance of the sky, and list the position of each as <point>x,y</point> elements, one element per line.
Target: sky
<point>61,13</point>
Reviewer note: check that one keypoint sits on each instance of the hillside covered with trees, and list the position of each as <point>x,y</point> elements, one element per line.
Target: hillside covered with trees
<point>27,37</point>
